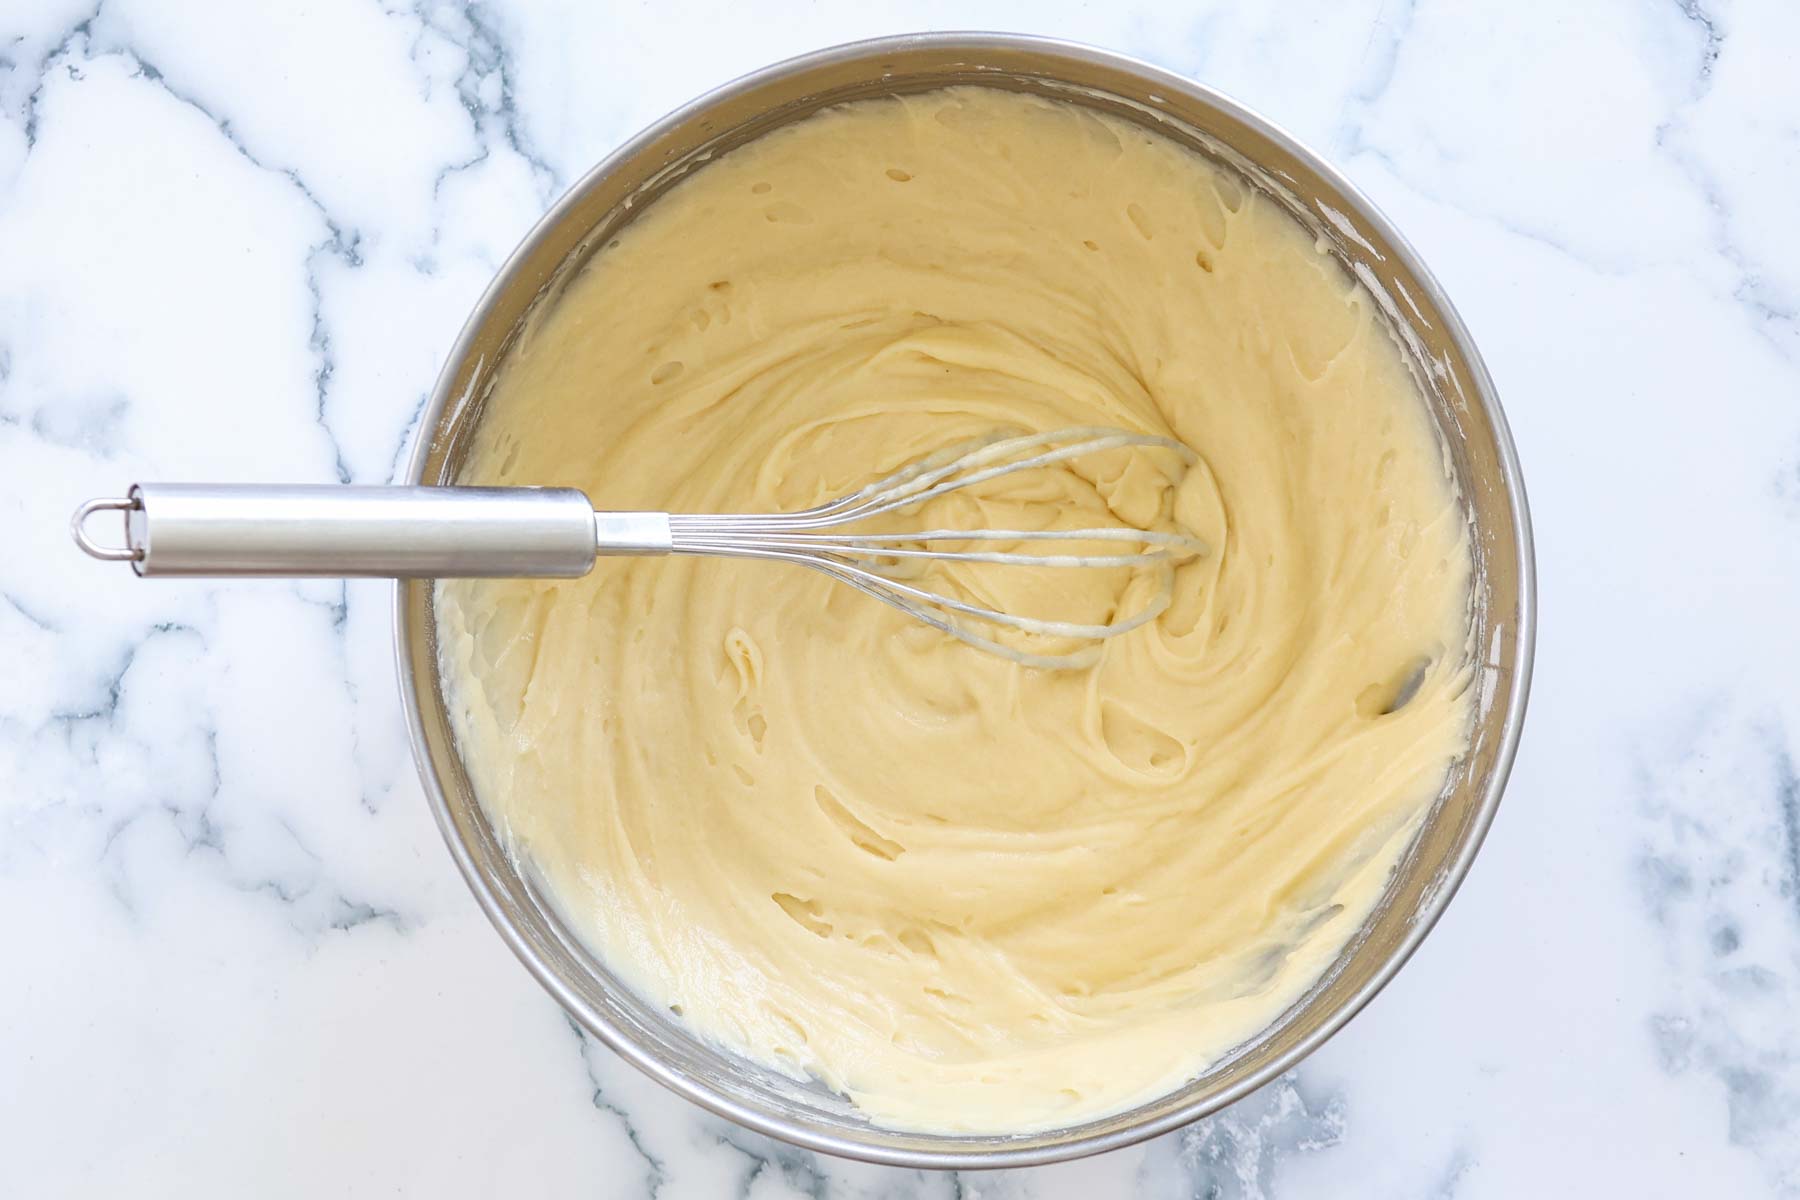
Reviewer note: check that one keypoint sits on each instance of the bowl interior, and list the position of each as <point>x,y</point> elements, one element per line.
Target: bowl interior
<point>1445,364</point>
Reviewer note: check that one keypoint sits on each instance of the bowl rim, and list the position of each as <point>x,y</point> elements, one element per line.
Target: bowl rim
<point>1425,917</point>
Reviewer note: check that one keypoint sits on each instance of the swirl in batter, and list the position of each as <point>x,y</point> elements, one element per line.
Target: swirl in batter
<point>970,895</point>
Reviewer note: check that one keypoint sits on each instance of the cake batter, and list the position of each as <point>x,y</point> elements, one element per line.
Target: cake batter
<point>972,896</point>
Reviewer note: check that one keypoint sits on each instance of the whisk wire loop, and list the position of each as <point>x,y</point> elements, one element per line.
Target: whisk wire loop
<point>871,562</point>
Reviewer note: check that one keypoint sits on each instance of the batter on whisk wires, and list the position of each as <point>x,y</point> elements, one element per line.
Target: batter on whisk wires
<point>971,894</point>
<point>893,566</point>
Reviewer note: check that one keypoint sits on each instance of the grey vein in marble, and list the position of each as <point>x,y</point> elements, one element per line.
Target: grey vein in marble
<point>1721,874</point>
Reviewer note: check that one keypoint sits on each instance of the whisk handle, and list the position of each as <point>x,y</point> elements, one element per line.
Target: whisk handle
<point>339,531</point>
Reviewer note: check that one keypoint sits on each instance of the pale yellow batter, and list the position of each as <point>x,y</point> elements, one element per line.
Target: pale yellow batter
<point>971,895</point>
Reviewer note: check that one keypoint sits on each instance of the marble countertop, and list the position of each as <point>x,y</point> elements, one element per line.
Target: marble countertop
<point>236,241</point>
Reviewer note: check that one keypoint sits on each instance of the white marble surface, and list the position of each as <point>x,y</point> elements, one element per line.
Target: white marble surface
<point>236,240</point>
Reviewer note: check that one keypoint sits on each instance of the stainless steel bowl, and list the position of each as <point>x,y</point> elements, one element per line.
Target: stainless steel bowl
<point>1445,360</point>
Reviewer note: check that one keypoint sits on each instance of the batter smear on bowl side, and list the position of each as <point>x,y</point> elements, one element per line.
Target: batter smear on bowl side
<point>971,895</point>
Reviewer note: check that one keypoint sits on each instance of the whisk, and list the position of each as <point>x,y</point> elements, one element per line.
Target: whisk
<point>442,532</point>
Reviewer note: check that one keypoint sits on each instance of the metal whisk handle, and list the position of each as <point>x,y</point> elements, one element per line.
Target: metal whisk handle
<point>385,532</point>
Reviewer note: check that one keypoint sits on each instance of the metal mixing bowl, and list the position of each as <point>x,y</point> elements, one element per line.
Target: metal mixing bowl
<point>1449,369</point>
